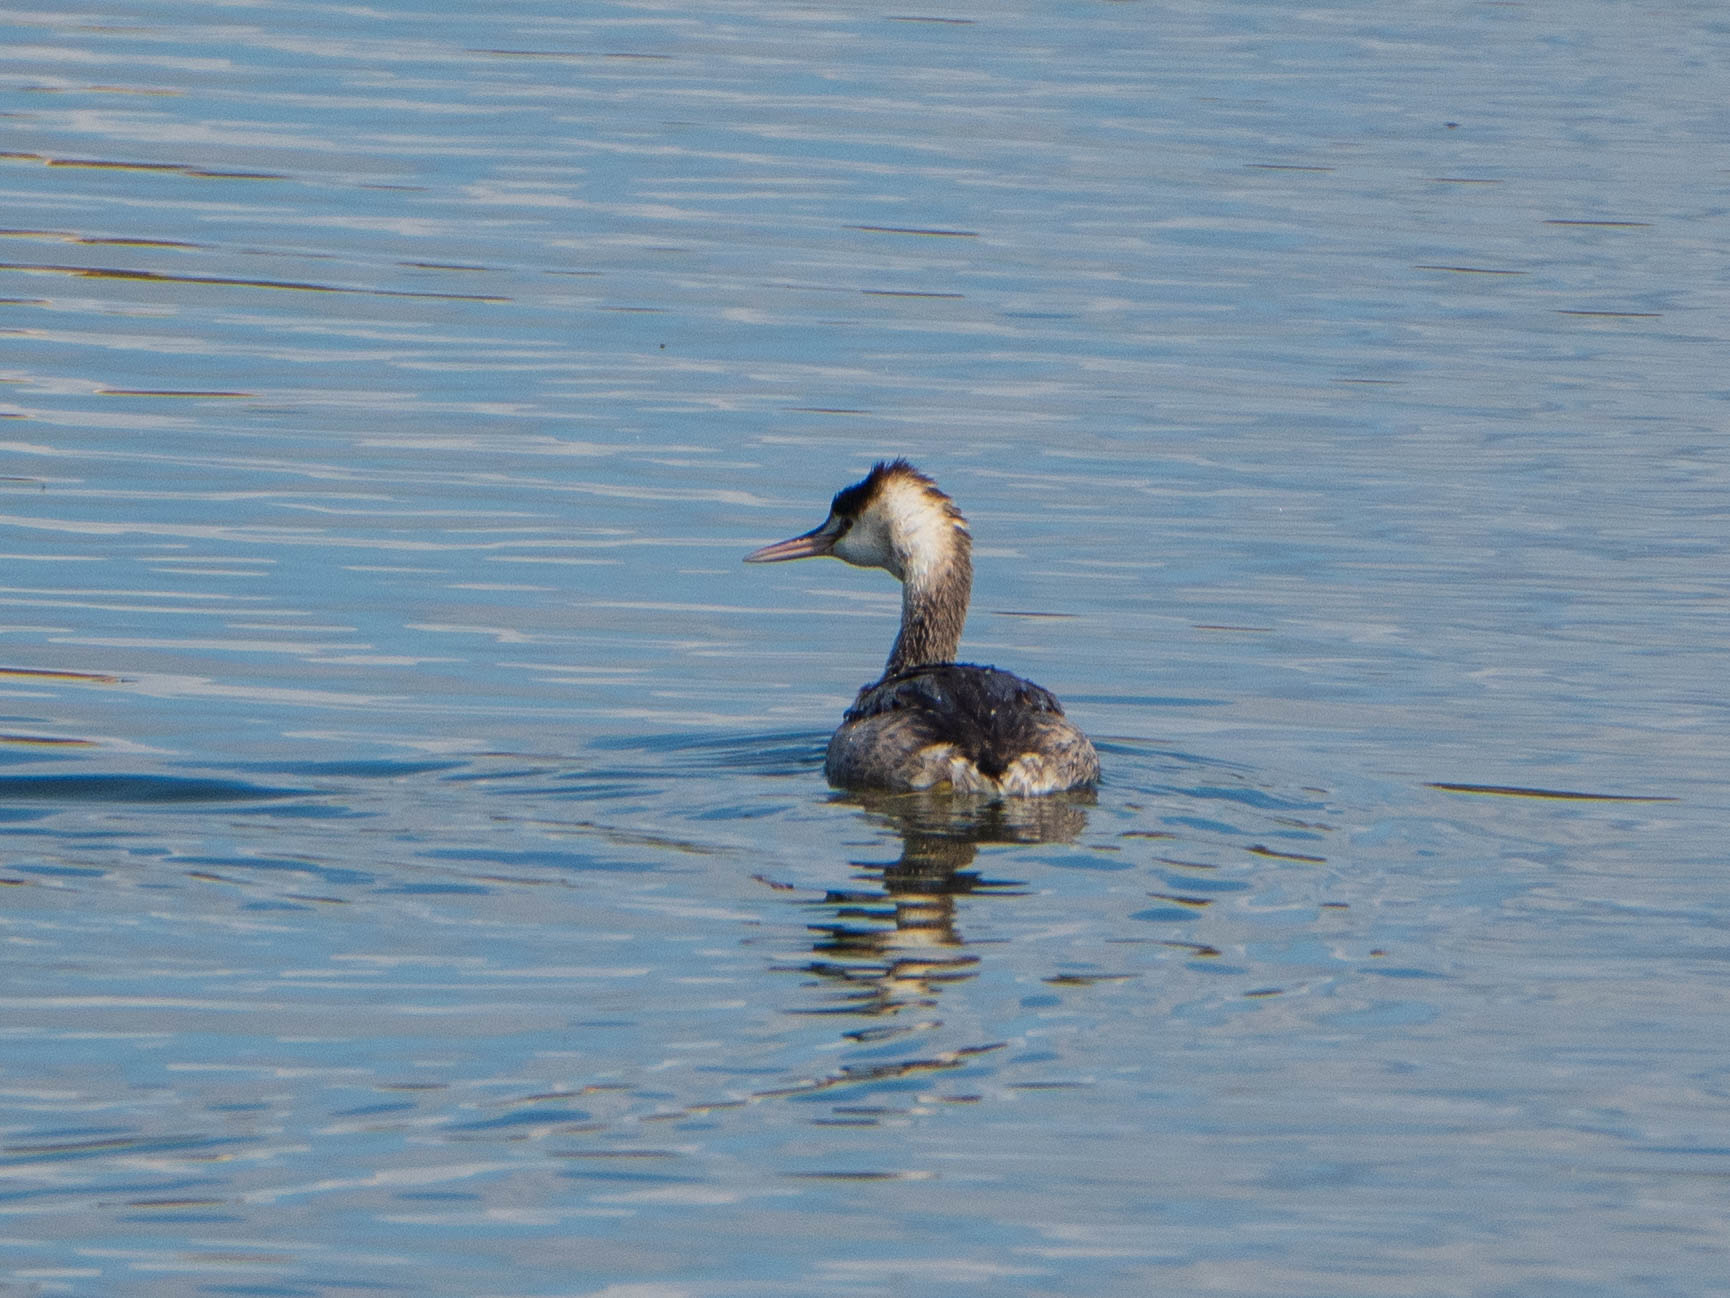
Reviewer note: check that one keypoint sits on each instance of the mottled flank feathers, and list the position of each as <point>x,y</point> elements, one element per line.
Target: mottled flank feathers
<point>976,729</point>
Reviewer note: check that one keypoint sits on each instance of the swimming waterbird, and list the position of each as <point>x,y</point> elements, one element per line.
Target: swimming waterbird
<point>930,721</point>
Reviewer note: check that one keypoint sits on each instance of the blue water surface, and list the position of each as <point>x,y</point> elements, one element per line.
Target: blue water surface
<point>419,875</point>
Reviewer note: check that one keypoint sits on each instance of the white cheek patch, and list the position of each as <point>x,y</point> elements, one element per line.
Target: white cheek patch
<point>904,531</point>
<point>925,528</point>
<point>866,545</point>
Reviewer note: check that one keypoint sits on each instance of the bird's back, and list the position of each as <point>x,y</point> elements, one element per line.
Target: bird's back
<point>977,729</point>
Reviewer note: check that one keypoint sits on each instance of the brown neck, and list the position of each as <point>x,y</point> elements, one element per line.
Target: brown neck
<point>933,611</point>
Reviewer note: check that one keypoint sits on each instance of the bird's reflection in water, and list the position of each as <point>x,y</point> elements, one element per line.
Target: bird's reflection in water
<point>888,945</point>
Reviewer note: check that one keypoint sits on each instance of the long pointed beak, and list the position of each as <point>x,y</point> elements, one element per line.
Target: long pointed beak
<point>818,541</point>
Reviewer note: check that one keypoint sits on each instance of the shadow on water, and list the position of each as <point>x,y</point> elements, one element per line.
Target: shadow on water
<point>881,940</point>
<point>892,943</point>
<point>135,789</point>
<point>887,954</point>
<point>779,752</point>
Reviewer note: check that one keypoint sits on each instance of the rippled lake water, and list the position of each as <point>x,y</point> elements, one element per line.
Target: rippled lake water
<point>419,875</point>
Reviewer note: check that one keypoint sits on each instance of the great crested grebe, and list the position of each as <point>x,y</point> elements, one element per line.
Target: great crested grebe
<point>930,720</point>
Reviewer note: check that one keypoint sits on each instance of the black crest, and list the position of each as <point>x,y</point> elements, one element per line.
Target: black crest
<point>850,502</point>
